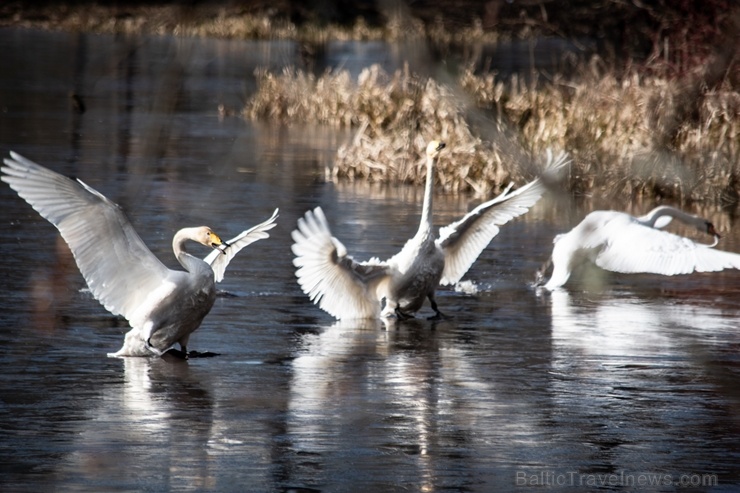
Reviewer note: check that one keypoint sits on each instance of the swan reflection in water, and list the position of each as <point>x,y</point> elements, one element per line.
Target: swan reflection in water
<point>137,420</point>
<point>405,396</point>
<point>616,325</point>
<point>627,372</point>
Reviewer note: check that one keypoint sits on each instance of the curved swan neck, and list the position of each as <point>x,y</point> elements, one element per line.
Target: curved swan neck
<point>188,261</point>
<point>699,223</point>
<point>665,210</point>
<point>426,211</point>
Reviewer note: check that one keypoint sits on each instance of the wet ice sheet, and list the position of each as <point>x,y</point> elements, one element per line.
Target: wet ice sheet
<point>635,377</point>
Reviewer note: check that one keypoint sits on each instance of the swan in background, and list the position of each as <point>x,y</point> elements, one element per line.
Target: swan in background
<point>618,242</point>
<point>163,306</point>
<point>348,289</point>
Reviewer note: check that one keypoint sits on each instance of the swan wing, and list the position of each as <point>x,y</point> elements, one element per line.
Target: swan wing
<point>339,285</point>
<point>463,241</point>
<point>635,248</point>
<point>219,259</point>
<point>118,267</point>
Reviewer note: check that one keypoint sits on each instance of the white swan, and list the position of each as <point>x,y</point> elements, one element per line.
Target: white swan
<point>163,306</point>
<point>348,289</point>
<point>618,242</point>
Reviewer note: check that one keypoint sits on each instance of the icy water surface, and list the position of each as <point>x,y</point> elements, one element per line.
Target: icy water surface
<point>630,384</point>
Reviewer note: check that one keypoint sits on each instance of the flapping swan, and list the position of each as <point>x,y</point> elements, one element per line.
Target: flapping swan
<point>348,289</point>
<point>163,306</point>
<point>618,242</point>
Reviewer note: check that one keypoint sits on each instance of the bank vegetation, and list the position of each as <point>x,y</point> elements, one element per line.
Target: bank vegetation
<point>652,109</point>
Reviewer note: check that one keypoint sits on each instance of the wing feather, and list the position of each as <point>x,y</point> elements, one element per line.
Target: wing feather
<point>219,259</point>
<point>332,279</point>
<point>464,240</point>
<point>635,248</point>
<point>118,267</point>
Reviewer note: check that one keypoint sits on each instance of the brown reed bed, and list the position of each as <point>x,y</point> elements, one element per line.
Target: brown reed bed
<point>248,20</point>
<point>623,134</point>
<point>662,123</point>
<point>393,117</point>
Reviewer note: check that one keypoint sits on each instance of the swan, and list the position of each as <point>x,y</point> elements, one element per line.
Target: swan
<point>619,242</point>
<point>348,289</point>
<point>163,306</point>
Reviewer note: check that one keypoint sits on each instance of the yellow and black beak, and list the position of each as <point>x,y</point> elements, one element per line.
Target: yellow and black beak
<point>218,244</point>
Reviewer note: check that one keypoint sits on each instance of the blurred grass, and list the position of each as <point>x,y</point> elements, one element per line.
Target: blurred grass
<point>656,113</point>
<point>622,133</point>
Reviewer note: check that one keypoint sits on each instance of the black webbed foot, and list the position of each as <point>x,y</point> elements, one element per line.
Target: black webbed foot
<point>175,354</point>
<point>204,354</point>
<point>403,316</point>
<point>438,315</point>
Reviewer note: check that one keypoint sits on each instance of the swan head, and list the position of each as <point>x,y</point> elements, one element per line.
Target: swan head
<point>710,229</point>
<point>205,236</point>
<point>434,147</point>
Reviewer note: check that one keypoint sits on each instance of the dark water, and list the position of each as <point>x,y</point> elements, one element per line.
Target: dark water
<point>630,385</point>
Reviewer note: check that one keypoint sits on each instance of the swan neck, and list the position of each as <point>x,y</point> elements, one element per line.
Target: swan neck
<point>426,211</point>
<point>666,210</point>
<point>189,262</point>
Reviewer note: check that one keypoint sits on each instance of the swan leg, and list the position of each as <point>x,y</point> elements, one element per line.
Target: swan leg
<point>438,315</point>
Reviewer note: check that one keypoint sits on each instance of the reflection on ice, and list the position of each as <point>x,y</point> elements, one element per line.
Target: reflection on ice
<point>135,422</point>
<point>403,399</point>
<point>630,327</point>
<point>626,371</point>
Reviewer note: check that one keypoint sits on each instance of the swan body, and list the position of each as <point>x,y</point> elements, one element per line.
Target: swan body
<point>349,289</point>
<point>618,242</point>
<point>163,306</point>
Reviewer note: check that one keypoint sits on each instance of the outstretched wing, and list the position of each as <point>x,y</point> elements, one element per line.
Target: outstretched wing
<point>633,248</point>
<point>339,285</point>
<point>464,240</point>
<point>218,259</point>
<point>118,267</point>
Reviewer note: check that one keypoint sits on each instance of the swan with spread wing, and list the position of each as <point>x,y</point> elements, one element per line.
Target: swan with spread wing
<point>619,242</point>
<point>163,306</point>
<point>349,289</point>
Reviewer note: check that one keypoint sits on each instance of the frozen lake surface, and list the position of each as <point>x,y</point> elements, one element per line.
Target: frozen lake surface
<point>626,384</point>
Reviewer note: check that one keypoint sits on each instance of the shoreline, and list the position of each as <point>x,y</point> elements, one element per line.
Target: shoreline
<point>634,128</point>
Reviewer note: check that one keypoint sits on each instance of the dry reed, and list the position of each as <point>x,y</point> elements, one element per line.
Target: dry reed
<point>629,135</point>
<point>623,135</point>
<point>394,116</point>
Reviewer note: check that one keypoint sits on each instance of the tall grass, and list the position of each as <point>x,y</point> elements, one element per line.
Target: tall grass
<point>627,136</point>
<point>665,123</point>
<point>394,115</point>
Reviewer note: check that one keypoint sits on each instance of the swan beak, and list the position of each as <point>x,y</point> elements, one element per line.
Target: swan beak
<point>441,146</point>
<point>712,231</point>
<point>218,244</point>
